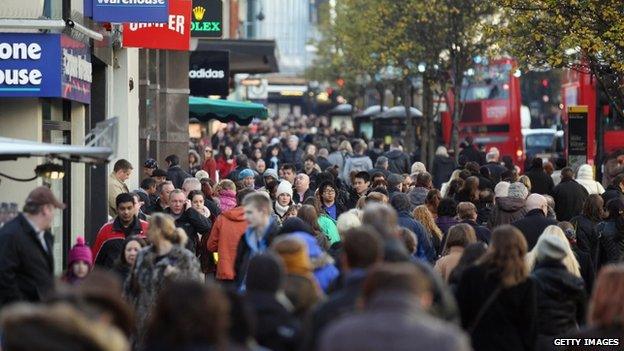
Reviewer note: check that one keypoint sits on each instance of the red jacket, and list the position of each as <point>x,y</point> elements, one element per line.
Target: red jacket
<point>224,237</point>
<point>224,167</point>
<point>109,241</point>
<point>210,166</point>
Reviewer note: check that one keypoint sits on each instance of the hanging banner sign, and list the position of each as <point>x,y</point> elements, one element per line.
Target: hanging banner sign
<point>173,35</point>
<point>207,19</point>
<point>121,11</point>
<point>76,64</point>
<point>44,65</point>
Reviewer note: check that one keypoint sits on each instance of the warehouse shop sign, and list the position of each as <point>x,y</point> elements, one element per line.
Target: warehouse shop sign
<point>121,11</point>
<point>207,19</point>
<point>44,65</point>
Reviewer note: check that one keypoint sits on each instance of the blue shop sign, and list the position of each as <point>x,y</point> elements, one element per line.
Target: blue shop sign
<point>44,65</point>
<point>119,11</point>
<point>30,64</point>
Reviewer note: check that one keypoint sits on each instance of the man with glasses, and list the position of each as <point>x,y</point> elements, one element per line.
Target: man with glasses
<point>327,197</point>
<point>210,165</point>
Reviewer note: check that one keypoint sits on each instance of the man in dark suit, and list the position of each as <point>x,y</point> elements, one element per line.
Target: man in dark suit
<point>26,260</point>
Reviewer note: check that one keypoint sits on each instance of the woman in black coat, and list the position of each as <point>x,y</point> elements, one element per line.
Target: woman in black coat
<point>585,225</point>
<point>611,234</point>
<point>496,297</point>
<point>561,297</point>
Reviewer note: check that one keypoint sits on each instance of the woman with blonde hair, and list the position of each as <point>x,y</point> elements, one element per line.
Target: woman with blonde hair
<point>569,261</point>
<point>421,213</point>
<point>497,294</point>
<point>524,179</point>
<point>164,260</point>
<point>445,186</point>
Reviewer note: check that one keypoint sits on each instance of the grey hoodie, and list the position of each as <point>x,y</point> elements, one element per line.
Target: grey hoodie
<point>356,163</point>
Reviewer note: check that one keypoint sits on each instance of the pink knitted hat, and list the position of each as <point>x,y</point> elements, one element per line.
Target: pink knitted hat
<point>80,252</point>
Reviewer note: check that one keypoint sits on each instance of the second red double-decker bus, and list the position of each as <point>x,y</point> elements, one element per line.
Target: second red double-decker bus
<point>491,107</point>
<point>580,88</point>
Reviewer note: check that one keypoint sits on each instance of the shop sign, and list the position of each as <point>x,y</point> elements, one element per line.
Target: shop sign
<point>175,34</point>
<point>44,65</point>
<point>30,64</point>
<point>207,19</point>
<point>121,11</point>
<point>77,69</point>
<point>209,73</point>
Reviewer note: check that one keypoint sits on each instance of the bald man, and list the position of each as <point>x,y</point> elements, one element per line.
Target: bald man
<point>302,188</point>
<point>535,221</point>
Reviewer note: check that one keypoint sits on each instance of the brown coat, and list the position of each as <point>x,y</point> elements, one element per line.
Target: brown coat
<point>446,264</point>
<point>115,187</point>
<point>226,232</point>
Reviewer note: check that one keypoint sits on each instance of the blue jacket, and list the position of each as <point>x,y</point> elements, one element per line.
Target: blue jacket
<point>424,250</point>
<point>248,247</point>
<point>324,270</point>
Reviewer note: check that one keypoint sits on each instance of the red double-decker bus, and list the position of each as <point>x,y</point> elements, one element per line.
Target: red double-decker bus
<point>580,88</point>
<point>491,107</point>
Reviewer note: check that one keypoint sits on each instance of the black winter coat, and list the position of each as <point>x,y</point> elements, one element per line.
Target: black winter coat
<point>561,299</point>
<point>612,192</point>
<point>177,175</point>
<point>26,268</point>
<point>509,324</point>
<point>398,162</point>
<point>569,199</point>
<point>276,328</point>
<point>541,182</point>
<point>471,153</point>
<point>611,241</point>
<point>293,157</point>
<point>193,223</point>
<point>483,234</point>
<point>587,236</point>
<point>443,167</point>
<point>496,171</point>
<point>532,226</point>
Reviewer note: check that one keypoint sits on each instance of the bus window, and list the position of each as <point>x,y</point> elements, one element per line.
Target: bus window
<point>487,82</point>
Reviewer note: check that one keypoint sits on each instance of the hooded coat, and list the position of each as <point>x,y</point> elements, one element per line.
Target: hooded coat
<point>398,161</point>
<point>224,238</point>
<point>532,226</point>
<point>506,211</point>
<point>569,199</point>
<point>585,177</point>
<point>356,163</point>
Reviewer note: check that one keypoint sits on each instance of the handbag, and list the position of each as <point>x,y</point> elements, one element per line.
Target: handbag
<point>488,303</point>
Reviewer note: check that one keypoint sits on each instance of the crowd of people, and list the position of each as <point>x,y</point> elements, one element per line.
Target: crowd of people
<point>308,240</point>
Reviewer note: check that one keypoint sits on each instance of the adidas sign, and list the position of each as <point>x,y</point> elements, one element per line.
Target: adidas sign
<point>206,74</point>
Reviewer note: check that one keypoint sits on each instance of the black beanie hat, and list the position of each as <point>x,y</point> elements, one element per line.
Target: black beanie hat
<point>265,273</point>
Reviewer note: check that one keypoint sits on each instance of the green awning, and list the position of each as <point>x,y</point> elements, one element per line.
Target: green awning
<point>205,109</point>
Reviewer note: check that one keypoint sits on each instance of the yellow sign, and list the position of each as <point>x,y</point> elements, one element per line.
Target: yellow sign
<point>198,13</point>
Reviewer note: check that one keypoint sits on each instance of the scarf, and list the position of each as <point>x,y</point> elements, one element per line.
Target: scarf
<point>281,210</point>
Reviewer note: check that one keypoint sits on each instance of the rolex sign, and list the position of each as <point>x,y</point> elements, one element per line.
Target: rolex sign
<point>207,19</point>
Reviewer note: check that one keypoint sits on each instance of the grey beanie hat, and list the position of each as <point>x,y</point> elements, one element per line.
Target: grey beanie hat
<point>270,172</point>
<point>518,190</point>
<point>550,247</point>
